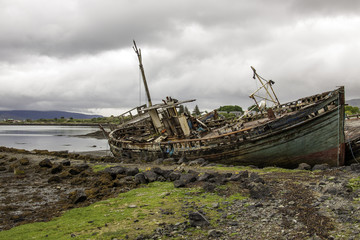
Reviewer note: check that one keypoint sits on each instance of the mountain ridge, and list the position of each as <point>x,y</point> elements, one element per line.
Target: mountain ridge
<point>36,115</point>
<point>354,102</point>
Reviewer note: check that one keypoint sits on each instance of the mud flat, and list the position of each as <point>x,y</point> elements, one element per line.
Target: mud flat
<point>217,202</point>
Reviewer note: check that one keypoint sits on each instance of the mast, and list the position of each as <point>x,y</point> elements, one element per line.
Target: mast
<point>138,53</point>
<point>266,85</point>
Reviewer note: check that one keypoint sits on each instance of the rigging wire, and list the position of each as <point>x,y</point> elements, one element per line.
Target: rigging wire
<point>139,87</point>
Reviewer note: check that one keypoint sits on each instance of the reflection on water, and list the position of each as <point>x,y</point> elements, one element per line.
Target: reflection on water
<point>52,138</point>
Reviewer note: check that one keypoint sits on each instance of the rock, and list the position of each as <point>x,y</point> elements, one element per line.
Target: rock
<point>182,160</point>
<point>140,178</point>
<point>219,178</point>
<point>24,161</point>
<point>205,177</point>
<point>54,179</point>
<point>321,167</point>
<point>77,196</point>
<point>331,190</point>
<point>81,167</point>
<point>179,183</point>
<point>74,171</point>
<point>198,161</point>
<point>174,176</point>
<point>304,166</point>
<point>189,177</point>
<point>214,233</point>
<point>66,162</point>
<point>131,171</point>
<point>46,163</point>
<point>197,219</point>
<point>159,161</point>
<point>151,176</point>
<point>169,161</point>
<point>160,172</point>
<point>209,187</point>
<point>57,169</point>
<point>258,190</point>
<point>254,177</point>
<point>114,171</point>
<point>239,176</point>
<point>355,167</point>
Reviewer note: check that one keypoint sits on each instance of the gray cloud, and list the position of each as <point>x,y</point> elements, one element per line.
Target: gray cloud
<point>76,55</point>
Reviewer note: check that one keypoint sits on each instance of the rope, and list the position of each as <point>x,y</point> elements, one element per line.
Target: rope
<point>139,87</point>
<point>352,153</point>
<point>338,134</point>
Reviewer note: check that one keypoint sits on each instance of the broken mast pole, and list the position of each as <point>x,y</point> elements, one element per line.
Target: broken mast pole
<point>138,53</point>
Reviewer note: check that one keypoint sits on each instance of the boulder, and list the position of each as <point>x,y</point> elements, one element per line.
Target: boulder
<point>258,190</point>
<point>150,176</point>
<point>54,179</point>
<point>321,167</point>
<point>66,162</point>
<point>74,171</point>
<point>46,163</point>
<point>214,233</point>
<point>140,178</point>
<point>182,160</point>
<point>114,171</point>
<point>173,176</point>
<point>131,171</point>
<point>81,166</point>
<point>205,177</point>
<point>189,177</point>
<point>77,196</point>
<point>209,187</point>
<point>355,167</point>
<point>24,161</point>
<point>304,166</point>
<point>57,168</point>
<point>198,161</point>
<point>197,219</point>
<point>169,161</point>
<point>161,172</point>
<point>254,177</point>
<point>159,161</point>
<point>179,183</point>
<point>240,176</point>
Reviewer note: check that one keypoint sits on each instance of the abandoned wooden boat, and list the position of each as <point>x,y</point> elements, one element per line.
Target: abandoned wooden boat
<point>309,130</point>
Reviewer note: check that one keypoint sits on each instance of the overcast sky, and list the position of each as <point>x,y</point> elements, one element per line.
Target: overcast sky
<point>77,55</point>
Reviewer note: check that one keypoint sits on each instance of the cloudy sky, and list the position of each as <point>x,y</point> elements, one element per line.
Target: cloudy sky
<point>76,55</point>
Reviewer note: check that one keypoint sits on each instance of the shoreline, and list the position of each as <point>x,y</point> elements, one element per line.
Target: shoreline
<point>53,124</point>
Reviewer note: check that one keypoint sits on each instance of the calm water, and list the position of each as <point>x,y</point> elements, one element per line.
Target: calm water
<point>52,138</point>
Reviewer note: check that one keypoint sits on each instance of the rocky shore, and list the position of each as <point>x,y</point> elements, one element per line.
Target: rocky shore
<point>308,203</point>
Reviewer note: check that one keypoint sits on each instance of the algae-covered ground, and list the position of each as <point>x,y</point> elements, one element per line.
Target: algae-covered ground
<point>82,199</point>
<point>139,211</point>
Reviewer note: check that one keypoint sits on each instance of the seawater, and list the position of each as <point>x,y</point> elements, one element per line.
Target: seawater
<point>52,138</point>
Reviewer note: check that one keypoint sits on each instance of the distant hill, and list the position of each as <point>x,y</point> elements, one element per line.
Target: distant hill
<point>36,115</point>
<point>354,102</point>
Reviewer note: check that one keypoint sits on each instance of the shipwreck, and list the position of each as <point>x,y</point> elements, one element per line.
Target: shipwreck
<point>308,130</point>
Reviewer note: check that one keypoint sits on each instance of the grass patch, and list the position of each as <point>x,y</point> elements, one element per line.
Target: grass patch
<point>354,183</point>
<point>99,167</point>
<point>136,212</point>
